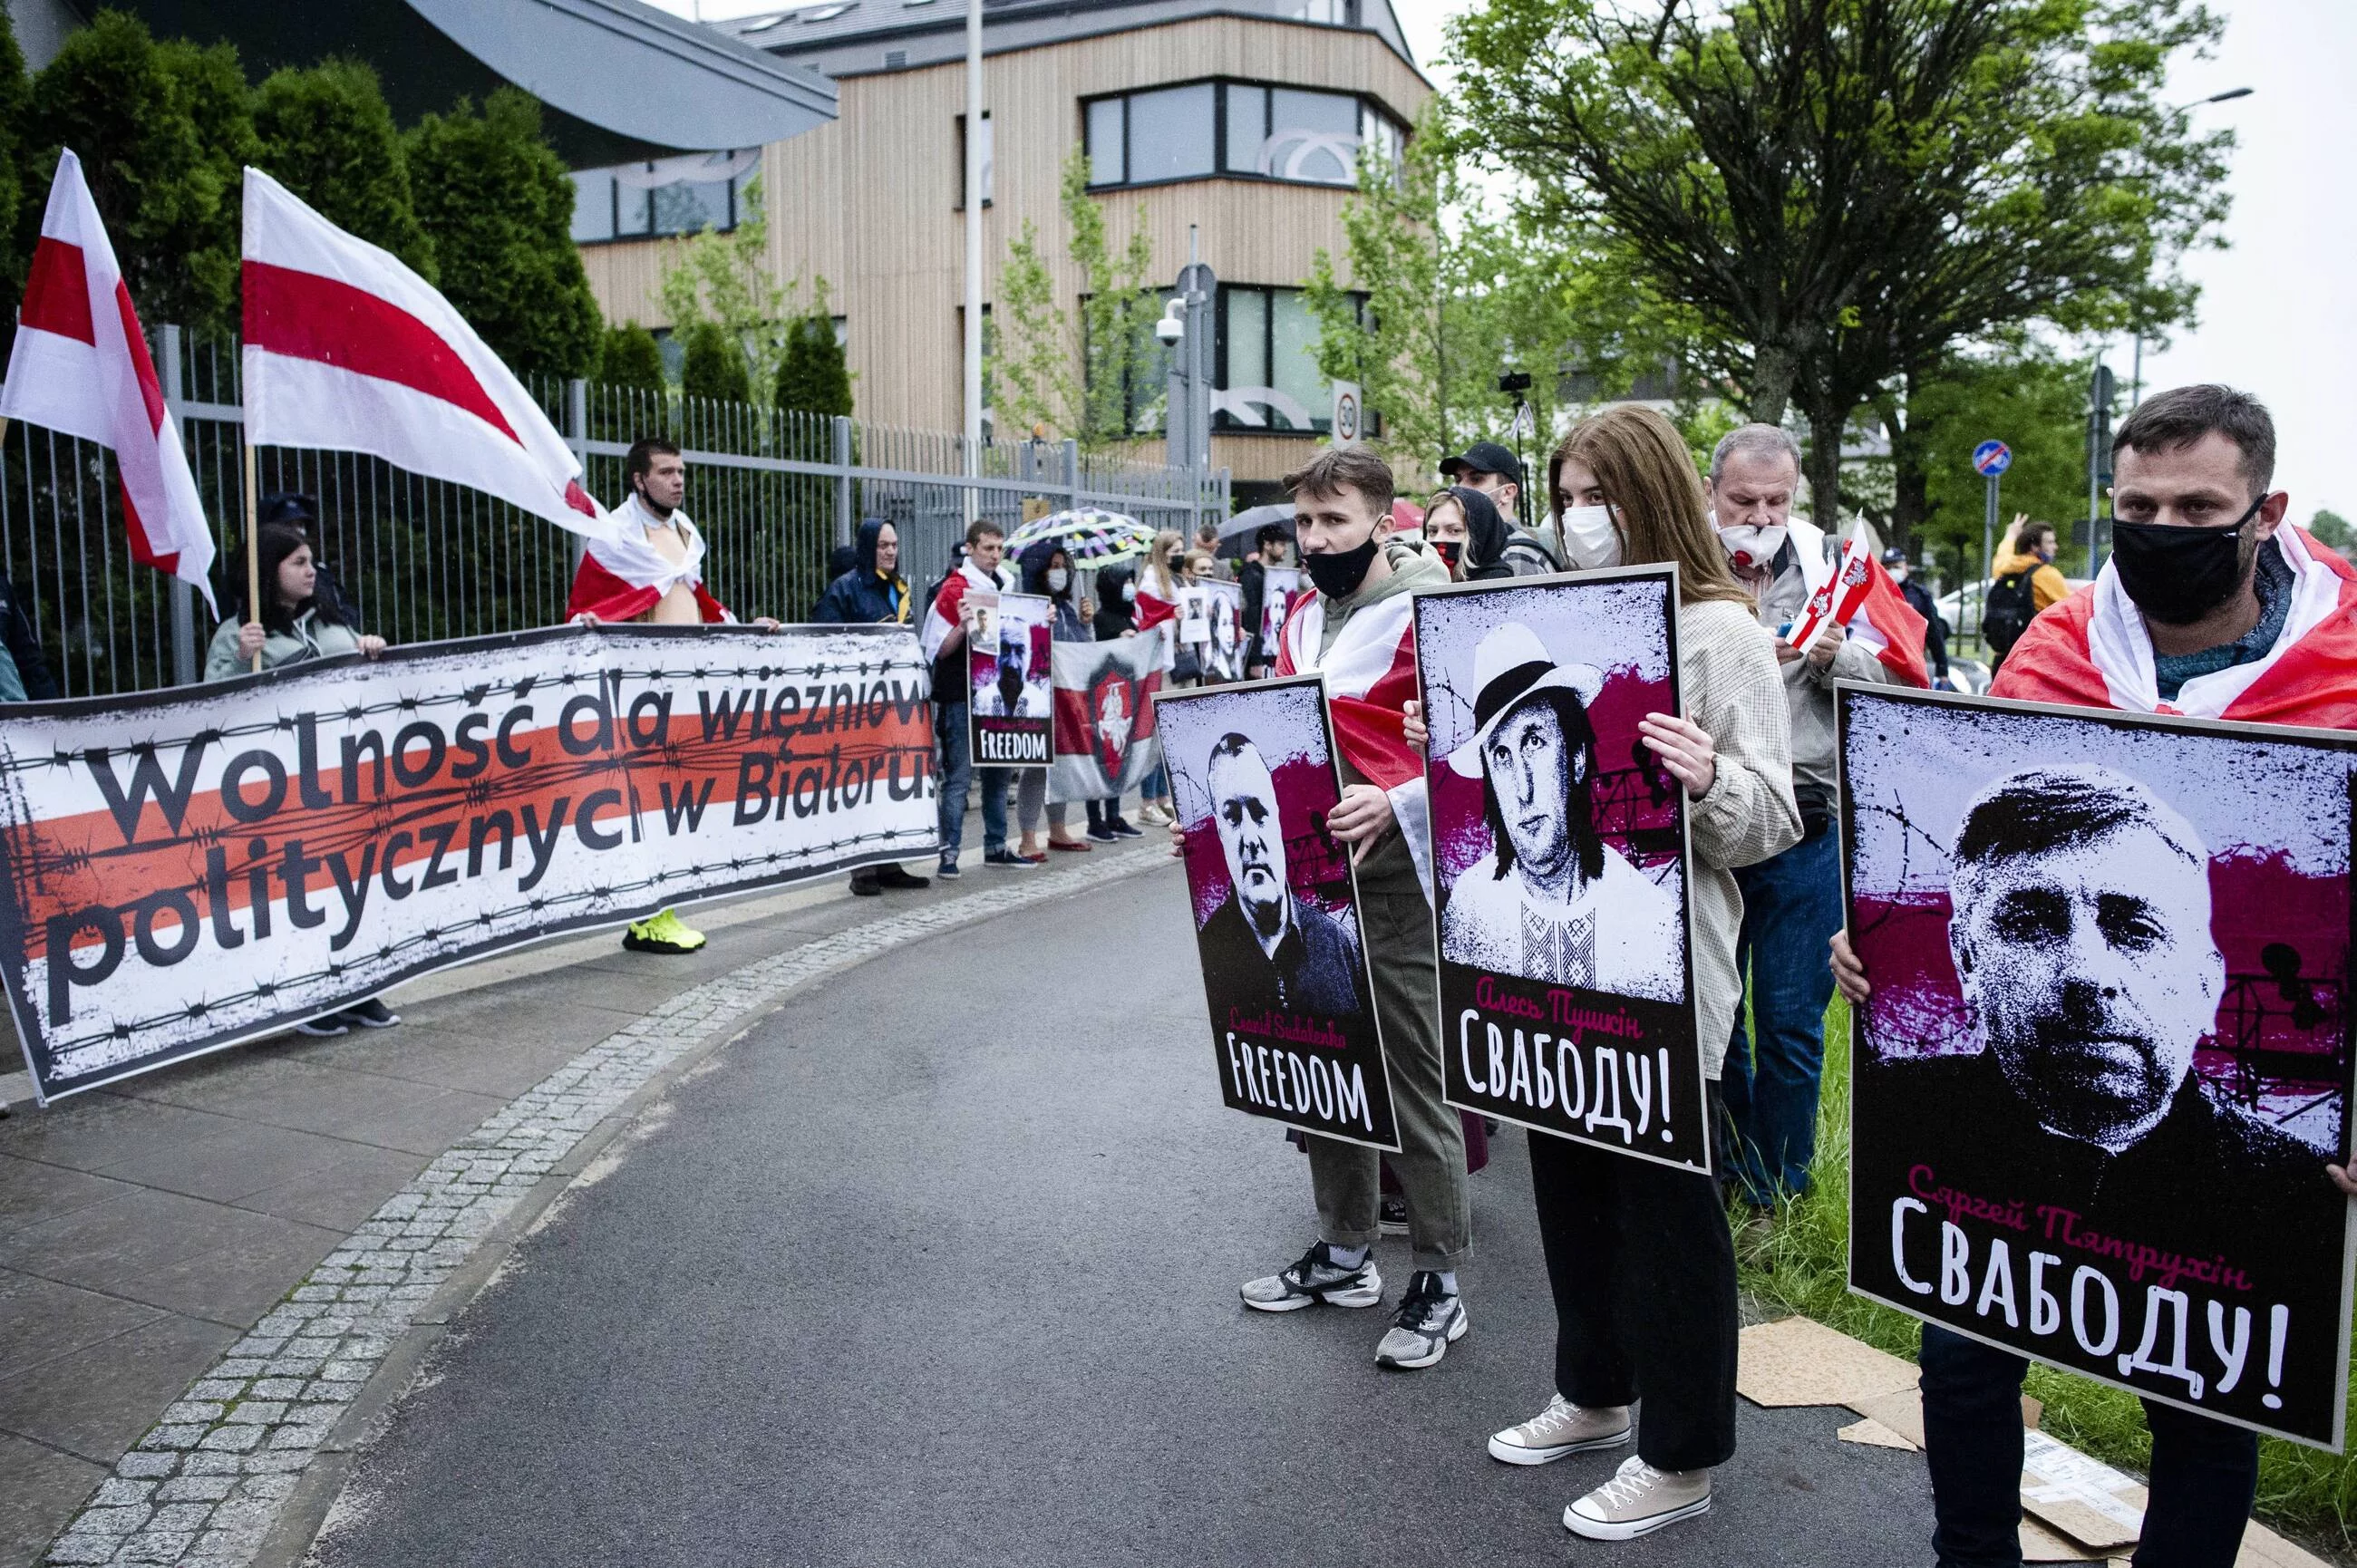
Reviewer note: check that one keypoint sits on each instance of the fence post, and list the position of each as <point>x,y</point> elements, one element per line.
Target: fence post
<point>180,595</point>
<point>843,532</point>
<point>1073,475</point>
<point>577,436</point>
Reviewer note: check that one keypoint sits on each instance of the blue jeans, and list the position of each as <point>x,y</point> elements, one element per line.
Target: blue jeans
<point>2204,1473</point>
<point>957,773</point>
<point>1792,908</point>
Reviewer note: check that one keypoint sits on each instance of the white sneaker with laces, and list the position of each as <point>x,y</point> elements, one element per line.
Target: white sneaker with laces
<point>1563,1428</point>
<point>1637,1501</point>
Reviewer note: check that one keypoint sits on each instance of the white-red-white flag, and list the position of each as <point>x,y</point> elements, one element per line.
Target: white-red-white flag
<point>1861,598</point>
<point>347,348</point>
<point>1370,675</point>
<point>80,365</point>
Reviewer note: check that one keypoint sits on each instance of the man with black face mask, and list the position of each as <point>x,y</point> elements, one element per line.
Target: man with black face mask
<point>1356,631</point>
<point>2210,606</point>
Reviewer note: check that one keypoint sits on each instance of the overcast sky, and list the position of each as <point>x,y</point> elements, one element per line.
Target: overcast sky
<point>2278,311</point>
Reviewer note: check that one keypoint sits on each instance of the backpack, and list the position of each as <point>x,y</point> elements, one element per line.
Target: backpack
<point>1531,548</point>
<point>2006,612</point>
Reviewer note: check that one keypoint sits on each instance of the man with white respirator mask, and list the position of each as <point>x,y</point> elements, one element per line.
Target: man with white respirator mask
<point>1794,899</point>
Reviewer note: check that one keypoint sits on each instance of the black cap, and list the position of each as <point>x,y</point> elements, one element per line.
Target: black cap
<point>1894,556</point>
<point>286,507</point>
<point>1484,457</point>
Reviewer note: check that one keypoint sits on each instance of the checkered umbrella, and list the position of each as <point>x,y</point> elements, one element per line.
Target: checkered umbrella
<point>1091,538</point>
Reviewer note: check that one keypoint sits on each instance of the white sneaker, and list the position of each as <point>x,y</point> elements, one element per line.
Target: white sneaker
<point>1155,815</point>
<point>1560,1429</point>
<point>1637,1501</point>
<point>1316,1280</point>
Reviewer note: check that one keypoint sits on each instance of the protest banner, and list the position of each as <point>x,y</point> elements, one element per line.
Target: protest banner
<point>2107,1052</point>
<point>189,868</point>
<point>1008,664</point>
<point>1105,693</point>
<point>1276,908</point>
<point>1559,861</point>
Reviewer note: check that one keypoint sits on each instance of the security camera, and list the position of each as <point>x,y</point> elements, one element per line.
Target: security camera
<point>1170,328</point>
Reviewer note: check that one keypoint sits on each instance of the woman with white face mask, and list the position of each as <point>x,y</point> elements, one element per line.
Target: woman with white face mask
<point>1047,569</point>
<point>1638,1253</point>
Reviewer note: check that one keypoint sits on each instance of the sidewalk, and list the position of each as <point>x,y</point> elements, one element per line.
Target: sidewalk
<point>145,1228</point>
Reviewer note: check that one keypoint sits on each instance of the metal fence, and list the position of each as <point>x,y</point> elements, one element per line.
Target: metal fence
<point>424,559</point>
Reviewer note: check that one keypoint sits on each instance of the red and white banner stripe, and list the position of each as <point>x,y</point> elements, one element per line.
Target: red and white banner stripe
<point>1369,678</point>
<point>347,348</point>
<point>81,366</point>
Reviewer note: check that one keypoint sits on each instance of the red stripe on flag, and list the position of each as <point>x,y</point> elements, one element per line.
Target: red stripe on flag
<point>57,296</point>
<point>1074,734</point>
<point>306,317</point>
<point>151,390</point>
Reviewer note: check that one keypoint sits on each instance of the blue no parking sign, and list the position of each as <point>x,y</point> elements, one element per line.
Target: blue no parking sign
<point>1992,457</point>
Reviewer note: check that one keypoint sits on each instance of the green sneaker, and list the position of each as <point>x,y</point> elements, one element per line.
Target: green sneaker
<point>662,932</point>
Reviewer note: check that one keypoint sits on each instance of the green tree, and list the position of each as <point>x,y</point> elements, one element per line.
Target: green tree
<point>813,377</point>
<point>723,277</point>
<point>162,130</point>
<point>327,135</point>
<point>1094,379</point>
<point>628,355</point>
<point>715,366</point>
<point>497,205</point>
<point>1837,192</point>
<point>15,251</point>
<point>2035,403</point>
<point>2332,531</point>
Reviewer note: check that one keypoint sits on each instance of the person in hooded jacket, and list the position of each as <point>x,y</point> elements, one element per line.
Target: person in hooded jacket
<point>1468,533</point>
<point>1048,572</point>
<point>1117,603</point>
<point>1115,615</point>
<point>872,590</point>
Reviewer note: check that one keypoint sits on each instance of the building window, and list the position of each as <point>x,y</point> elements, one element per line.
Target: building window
<point>990,160</point>
<point>1267,373</point>
<point>668,196</point>
<point>1241,129</point>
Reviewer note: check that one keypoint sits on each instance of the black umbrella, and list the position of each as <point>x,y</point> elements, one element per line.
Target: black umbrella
<point>1236,534</point>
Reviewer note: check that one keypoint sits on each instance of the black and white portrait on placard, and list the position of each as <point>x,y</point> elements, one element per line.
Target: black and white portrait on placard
<point>2107,1052</point>
<point>1558,853</point>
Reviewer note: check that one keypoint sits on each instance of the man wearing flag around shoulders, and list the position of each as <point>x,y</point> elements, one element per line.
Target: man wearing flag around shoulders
<point>2212,605</point>
<point>1792,901</point>
<point>646,565</point>
<point>1357,632</point>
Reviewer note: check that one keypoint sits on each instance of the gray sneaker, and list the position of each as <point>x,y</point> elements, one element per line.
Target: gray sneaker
<point>1560,1429</point>
<point>1639,1500</point>
<point>1429,1317</point>
<point>1316,1280</point>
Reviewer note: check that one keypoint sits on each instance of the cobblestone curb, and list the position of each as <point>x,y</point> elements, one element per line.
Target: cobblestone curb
<point>206,1484</point>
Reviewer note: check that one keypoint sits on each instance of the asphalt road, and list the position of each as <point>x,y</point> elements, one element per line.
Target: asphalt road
<point>938,1266</point>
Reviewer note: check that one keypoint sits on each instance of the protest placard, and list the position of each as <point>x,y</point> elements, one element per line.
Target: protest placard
<point>193,867</point>
<point>1275,908</point>
<point>1010,672</point>
<point>2107,1051</point>
<point>1559,861</point>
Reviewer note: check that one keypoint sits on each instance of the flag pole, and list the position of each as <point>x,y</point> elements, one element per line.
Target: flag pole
<point>252,544</point>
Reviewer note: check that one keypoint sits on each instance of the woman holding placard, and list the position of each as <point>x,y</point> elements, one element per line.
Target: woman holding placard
<point>1638,1253</point>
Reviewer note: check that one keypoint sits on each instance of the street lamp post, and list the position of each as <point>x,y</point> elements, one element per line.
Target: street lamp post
<point>972,256</point>
<point>1186,329</point>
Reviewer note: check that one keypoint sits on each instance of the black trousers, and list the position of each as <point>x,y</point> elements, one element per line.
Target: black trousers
<point>2204,1473</point>
<point>1644,1274</point>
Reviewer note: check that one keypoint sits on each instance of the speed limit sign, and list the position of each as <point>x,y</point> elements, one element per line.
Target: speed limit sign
<point>1346,413</point>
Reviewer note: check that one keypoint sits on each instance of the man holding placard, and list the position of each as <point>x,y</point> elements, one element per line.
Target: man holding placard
<point>2210,607</point>
<point>1357,632</point>
<point>1791,902</point>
